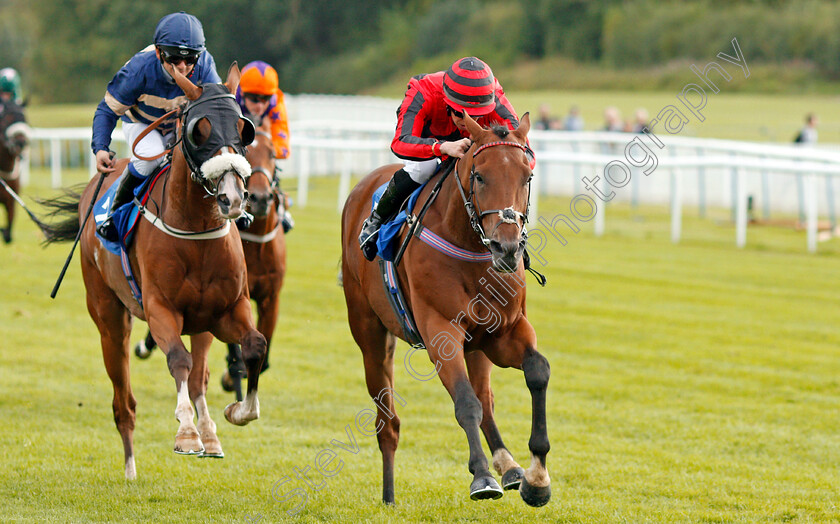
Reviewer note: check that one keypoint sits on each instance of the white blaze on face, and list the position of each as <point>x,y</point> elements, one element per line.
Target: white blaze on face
<point>229,188</point>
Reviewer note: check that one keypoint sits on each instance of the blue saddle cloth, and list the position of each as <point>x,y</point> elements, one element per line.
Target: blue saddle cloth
<point>125,217</point>
<point>387,244</point>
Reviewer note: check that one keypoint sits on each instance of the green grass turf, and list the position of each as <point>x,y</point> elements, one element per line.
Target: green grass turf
<point>691,383</point>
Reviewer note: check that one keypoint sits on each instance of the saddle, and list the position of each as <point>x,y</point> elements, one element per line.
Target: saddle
<point>388,242</point>
<point>126,216</point>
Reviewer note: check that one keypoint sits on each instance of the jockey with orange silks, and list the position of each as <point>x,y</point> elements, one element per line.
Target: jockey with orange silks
<point>261,100</point>
<point>430,125</point>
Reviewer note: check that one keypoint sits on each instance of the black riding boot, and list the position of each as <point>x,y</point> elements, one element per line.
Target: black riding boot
<point>125,192</point>
<point>399,188</point>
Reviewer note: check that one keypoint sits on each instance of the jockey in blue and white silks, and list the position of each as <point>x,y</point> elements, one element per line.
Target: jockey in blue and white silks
<point>144,90</point>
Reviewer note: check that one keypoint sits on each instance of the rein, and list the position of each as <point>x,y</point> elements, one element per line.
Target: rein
<point>506,216</point>
<point>208,234</point>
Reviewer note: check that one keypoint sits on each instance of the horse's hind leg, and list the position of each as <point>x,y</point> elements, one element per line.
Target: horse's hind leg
<point>199,376</point>
<point>114,324</point>
<point>377,347</point>
<point>10,217</point>
<point>479,367</point>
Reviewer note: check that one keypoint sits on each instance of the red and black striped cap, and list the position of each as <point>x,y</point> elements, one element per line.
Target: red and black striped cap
<point>469,86</point>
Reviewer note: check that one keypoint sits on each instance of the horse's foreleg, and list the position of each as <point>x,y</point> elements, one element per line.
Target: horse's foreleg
<point>536,486</point>
<point>114,324</point>
<point>199,376</point>
<point>165,327</point>
<point>445,348</point>
<point>479,367</point>
<point>519,351</point>
<point>267,311</point>
<point>238,326</point>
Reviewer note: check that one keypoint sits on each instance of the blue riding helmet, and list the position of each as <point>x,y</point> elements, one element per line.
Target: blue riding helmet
<point>182,31</point>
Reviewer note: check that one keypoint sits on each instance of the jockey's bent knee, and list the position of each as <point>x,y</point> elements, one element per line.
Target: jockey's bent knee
<point>421,171</point>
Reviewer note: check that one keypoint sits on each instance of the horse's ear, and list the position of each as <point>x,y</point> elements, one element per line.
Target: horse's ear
<point>473,127</point>
<point>233,76</point>
<point>524,126</point>
<point>192,91</point>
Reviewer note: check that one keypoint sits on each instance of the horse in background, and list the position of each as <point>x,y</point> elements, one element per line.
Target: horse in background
<point>188,266</point>
<point>465,323</point>
<point>264,243</point>
<point>14,138</point>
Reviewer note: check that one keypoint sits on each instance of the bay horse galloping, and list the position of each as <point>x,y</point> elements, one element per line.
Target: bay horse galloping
<point>14,137</point>
<point>264,243</point>
<point>195,286</point>
<point>465,323</point>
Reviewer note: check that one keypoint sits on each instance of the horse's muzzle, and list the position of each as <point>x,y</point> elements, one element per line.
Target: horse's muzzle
<point>506,255</point>
<point>259,205</point>
<point>230,206</point>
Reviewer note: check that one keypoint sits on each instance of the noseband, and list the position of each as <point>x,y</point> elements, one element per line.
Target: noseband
<point>507,215</point>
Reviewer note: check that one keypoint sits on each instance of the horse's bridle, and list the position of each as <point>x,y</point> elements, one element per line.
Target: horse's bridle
<point>273,178</point>
<point>507,215</point>
<point>188,147</point>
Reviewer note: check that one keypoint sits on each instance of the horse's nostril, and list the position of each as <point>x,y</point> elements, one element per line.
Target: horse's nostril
<point>223,199</point>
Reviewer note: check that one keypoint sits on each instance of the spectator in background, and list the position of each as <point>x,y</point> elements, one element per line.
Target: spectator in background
<point>545,121</point>
<point>641,120</point>
<point>573,121</point>
<point>808,134</point>
<point>612,119</point>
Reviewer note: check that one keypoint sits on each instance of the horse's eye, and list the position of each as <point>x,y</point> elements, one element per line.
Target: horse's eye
<point>479,179</point>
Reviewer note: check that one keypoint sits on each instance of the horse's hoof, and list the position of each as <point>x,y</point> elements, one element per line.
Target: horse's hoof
<point>7,235</point>
<point>142,351</point>
<point>227,382</point>
<point>512,478</point>
<point>187,451</point>
<point>187,444</point>
<point>534,496</point>
<point>485,488</point>
<point>212,448</point>
<point>241,420</point>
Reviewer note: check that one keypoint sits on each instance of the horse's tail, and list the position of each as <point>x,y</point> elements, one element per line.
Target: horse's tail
<point>64,208</point>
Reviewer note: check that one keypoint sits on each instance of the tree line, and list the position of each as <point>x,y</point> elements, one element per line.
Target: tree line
<point>67,50</point>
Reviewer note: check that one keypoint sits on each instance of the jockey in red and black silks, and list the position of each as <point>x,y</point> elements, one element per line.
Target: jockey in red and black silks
<point>430,125</point>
